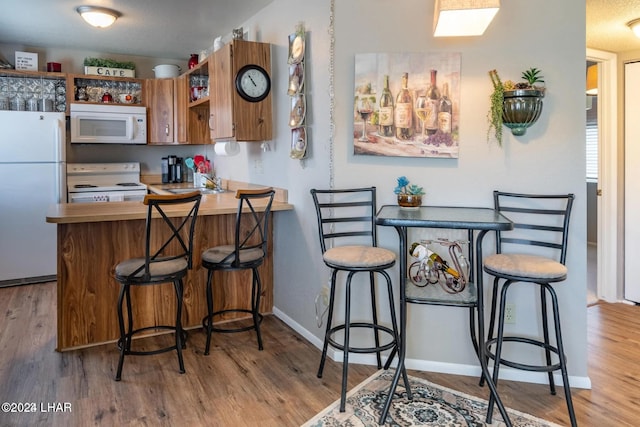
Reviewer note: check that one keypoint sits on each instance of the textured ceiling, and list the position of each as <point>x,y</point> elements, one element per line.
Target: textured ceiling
<point>607,25</point>
<point>157,28</point>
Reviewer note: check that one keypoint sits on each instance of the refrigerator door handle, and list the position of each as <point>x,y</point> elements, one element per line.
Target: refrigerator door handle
<point>60,144</point>
<point>61,177</point>
<point>61,184</point>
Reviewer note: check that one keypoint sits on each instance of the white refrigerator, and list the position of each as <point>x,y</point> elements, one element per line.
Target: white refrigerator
<point>32,177</point>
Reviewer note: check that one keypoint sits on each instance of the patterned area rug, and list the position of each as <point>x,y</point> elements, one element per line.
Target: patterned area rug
<point>432,405</point>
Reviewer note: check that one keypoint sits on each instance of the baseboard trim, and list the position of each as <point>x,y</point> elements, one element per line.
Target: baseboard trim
<point>506,373</point>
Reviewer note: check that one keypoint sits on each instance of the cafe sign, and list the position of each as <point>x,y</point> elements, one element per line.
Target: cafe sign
<point>109,72</point>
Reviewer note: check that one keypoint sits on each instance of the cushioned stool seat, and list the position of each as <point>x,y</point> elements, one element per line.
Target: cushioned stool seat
<point>531,267</point>
<point>358,257</point>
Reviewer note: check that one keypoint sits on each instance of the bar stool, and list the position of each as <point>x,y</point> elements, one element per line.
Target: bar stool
<point>167,258</point>
<point>542,221</point>
<point>348,215</point>
<point>247,252</point>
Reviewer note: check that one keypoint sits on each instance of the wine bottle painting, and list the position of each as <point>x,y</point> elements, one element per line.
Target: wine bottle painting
<point>407,104</point>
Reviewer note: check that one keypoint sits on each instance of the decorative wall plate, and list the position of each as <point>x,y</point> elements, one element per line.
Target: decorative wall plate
<point>296,48</point>
<point>296,78</point>
<point>298,143</point>
<point>298,109</point>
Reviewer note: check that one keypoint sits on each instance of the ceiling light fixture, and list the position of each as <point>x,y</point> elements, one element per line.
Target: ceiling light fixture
<point>592,79</point>
<point>454,18</point>
<point>635,26</point>
<point>99,17</point>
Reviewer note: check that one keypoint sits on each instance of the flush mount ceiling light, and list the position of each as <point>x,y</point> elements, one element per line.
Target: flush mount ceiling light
<point>454,18</point>
<point>635,26</point>
<point>99,17</point>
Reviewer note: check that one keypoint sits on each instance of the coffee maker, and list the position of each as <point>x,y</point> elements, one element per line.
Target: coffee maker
<point>172,170</point>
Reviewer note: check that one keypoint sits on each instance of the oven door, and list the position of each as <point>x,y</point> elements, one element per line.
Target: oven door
<point>107,196</point>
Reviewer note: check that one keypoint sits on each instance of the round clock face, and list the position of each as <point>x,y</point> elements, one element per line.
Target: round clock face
<point>253,83</point>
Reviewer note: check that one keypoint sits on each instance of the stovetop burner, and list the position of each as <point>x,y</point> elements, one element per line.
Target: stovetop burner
<point>128,184</point>
<point>84,186</point>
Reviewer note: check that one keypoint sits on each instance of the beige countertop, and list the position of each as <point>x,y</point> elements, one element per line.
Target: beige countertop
<point>211,204</point>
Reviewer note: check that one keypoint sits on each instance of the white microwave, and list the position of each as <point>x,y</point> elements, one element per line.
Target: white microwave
<point>108,124</point>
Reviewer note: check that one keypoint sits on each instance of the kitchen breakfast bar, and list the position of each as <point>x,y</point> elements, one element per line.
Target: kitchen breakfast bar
<point>93,237</point>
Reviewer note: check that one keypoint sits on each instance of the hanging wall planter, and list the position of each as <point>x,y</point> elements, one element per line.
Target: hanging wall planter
<point>521,108</point>
<point>515,105</point>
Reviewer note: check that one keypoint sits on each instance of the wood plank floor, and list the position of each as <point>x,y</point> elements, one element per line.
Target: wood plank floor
<point>237,385</point>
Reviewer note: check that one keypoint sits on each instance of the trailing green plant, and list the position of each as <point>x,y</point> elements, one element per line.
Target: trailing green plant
<point>494,116</point>
<point>532,80</point>
<point>109,63</point>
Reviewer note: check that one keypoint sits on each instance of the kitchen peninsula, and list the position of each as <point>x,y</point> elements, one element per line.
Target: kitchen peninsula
<point>94,237</point>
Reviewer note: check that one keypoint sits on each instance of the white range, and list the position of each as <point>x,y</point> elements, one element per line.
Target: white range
<point>104,182</point>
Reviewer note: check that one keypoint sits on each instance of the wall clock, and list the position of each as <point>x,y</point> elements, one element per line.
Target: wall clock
<point>253,83</point>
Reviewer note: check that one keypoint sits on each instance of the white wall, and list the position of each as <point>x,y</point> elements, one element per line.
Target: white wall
<point>549,158</point>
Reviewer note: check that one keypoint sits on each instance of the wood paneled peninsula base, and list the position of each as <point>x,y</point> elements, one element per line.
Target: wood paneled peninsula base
<point>94,237</point>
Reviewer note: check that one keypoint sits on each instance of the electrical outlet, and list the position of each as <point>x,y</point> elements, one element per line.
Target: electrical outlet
<point>258,167</point>
<point>324,293</point>
<point>510,313</point>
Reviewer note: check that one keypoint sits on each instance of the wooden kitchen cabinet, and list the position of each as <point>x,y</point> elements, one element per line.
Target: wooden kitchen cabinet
<point>232,117</point>
<point>172,117</point>
<point>194,111</point>
<point>161,111</point>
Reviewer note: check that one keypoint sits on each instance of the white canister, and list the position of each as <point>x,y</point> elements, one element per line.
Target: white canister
<point>166,71</point>
<point>199,180</point>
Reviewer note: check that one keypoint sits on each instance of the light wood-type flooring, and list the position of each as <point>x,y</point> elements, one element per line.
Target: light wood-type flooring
<point>237,385</point>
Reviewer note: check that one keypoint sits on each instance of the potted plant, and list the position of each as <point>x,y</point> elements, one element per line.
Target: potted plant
<point>409,195</point>
<point>516,105</point>
<point>109,67</point>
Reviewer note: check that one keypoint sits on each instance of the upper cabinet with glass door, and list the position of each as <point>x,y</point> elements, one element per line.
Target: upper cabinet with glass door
<point>32,91</point>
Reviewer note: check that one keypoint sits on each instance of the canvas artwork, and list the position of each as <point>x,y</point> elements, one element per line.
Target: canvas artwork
<point>407,104</point>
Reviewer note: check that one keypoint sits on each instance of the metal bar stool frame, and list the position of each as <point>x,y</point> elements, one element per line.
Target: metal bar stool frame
<point>352,259</point>
<point>504,203</point>
<point>247,252</point>
<point>169,262</point>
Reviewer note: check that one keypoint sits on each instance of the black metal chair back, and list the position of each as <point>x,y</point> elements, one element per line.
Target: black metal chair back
<point>545,225</point>
<point>174,239</point>
<point>252,226</point>
<point>344,214</point>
